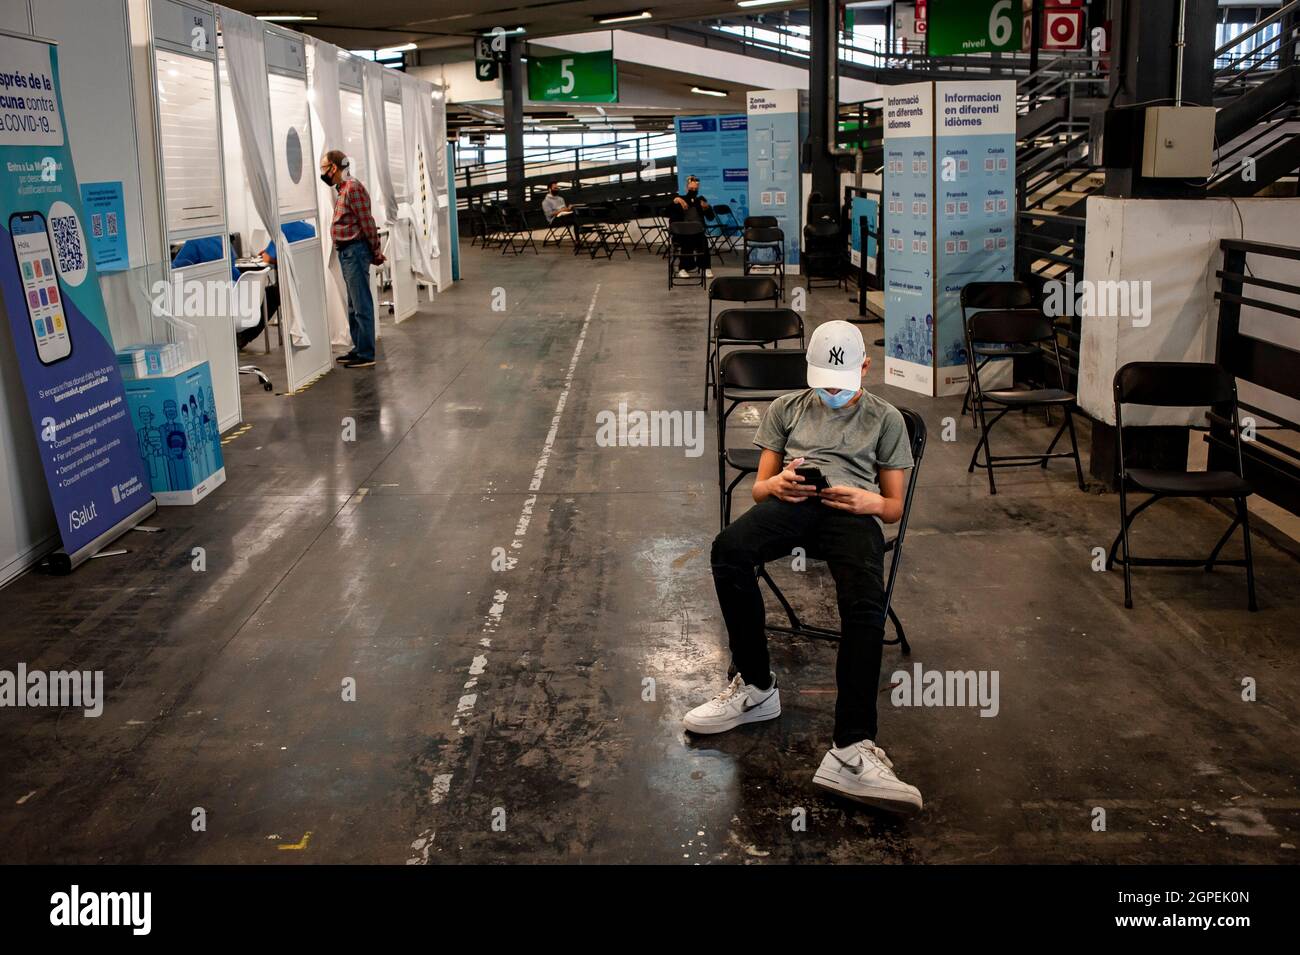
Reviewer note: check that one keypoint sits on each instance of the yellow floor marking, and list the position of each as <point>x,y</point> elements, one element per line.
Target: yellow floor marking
<point>306,837</point>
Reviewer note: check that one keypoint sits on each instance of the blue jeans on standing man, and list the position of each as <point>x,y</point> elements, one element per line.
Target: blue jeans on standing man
<point>354,259</point>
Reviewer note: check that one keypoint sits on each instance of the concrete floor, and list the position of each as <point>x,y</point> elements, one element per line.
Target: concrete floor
<point>500,714</point>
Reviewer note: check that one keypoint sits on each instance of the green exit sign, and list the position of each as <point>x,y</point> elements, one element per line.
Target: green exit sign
<point>574,77</point>
<point>973,26</point>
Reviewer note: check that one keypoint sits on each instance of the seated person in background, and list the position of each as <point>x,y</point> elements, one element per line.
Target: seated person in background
<point>860,445</point>
<point>557,209</point>
<point>294,232</point>
<point>692,207</point>
<point>205,249</point>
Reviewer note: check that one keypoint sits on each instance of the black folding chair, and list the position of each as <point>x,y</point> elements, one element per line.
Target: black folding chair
<point>822,256</point>
<point>916,433</point>
<point>1017,327</point>
<point>764,253</point>
<point>1169,384</point>
<point>592,234</point>
<point>724,231</point>
<point>734,288</point>
<point>677,233</point>
<point>754,326</point>
<point>614,230</point>
<point>517,234</point>
<point>977,296</point>
<point>651,232</point>
<point>751,376</point>
<point>558,229</point>
<point>477,226</point>
<point>494,225</point>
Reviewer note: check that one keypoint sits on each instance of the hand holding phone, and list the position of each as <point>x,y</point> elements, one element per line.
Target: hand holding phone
<point>812,475</point>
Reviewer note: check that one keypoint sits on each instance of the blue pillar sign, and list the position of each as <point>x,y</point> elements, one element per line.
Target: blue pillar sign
<point>56,314</point>
<point>950,213</point>
<point>975,183</point>
<point>909,236</point>
<point>774,186</point>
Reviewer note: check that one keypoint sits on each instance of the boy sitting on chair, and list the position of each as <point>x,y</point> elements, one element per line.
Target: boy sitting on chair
<point>860,445</point>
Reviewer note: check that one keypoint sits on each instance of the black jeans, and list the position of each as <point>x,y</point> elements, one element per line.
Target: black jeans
<point>853,546</point>
<point>246,336</point>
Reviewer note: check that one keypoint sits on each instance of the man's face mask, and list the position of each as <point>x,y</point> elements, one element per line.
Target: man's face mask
<point>837,400</point>
<point>327,176</point>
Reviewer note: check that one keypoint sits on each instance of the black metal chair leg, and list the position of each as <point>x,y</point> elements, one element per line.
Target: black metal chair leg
<point>1214,554</point>
<point>901,639</point>
<point>1052,447</point>
<point>1074,443</point>
<point>795,623</point>
<point>1243,514</point>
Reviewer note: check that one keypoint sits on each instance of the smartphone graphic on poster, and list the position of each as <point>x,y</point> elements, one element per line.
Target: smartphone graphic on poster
<point>41,286</point>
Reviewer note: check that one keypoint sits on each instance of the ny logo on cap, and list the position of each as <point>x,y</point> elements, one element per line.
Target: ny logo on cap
<point>837,356</point>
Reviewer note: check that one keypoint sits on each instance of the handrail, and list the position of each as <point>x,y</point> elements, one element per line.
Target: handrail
<point>1266,22</point>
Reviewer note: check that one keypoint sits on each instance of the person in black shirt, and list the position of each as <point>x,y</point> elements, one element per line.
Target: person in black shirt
<point>692,207</point>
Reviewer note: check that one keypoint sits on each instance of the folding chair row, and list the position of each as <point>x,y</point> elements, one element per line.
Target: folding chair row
<point>735,288</point>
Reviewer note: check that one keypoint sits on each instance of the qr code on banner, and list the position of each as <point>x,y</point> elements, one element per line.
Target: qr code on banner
<point>67,244</point>
<point>97,225</point>
<point>112,223</point>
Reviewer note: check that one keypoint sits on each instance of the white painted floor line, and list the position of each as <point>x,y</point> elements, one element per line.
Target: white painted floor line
<point>492,619</point>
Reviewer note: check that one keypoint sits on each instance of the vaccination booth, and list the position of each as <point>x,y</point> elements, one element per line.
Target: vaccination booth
<point>196,131</point>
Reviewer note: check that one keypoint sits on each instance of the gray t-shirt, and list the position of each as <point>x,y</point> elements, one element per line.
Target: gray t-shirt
<point>850,445</point>
<point>551,205</point>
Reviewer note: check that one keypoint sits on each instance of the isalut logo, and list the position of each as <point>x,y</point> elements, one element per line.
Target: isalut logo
<point>82,516</point>
<point>78,908</point>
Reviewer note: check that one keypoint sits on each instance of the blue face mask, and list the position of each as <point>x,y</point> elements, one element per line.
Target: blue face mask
<point>838,400</point>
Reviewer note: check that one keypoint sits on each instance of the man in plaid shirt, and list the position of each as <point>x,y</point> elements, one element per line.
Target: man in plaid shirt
<point>357,242</point>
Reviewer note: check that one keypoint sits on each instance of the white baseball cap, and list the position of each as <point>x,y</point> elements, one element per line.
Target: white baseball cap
<point>835,356</point>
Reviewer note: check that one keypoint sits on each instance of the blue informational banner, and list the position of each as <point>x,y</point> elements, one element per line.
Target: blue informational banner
<point>716,150</point>
<point>105,222</point>
<point>909,236</point>
<point>950,220</point>
<point>975,208</point>
<point>774,185</point>
<point>864,208</point>
<point>56,314</point>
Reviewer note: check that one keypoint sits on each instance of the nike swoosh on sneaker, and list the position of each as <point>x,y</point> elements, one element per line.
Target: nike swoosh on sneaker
<point>749,706</point>
<point>855,768</point>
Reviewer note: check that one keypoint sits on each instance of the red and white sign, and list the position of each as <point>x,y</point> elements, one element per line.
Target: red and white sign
<point>1062,28</point>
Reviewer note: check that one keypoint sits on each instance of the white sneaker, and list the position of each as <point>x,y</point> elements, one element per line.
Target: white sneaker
<point>708,273</point>
<point>738,704</point>
<point>863,772</point>
<point>683,274</point>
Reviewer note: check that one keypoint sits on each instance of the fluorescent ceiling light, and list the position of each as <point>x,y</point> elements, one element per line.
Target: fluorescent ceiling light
<point>758,3</point>
<point>287,17</point>
<point>707,92</point>
<point>624,17</point>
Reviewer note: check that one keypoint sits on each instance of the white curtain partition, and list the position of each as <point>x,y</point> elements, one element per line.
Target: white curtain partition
<point>417,120</point>
<point>444,211</point>
<point>245,47</point>
<point>383,200</point>
<point>328,116</point>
